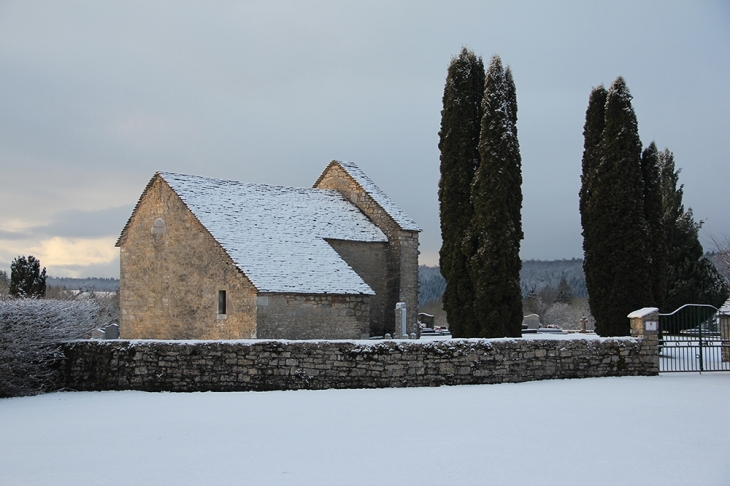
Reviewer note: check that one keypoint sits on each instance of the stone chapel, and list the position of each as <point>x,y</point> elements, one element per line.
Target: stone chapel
<point>204,258</point>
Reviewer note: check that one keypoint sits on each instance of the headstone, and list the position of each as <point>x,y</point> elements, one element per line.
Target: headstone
<point>400,321</point>
<point>426,319</point>
<point>111,331</point>
<point>532,322</point>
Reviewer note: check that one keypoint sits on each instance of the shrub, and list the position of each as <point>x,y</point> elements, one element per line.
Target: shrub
<point>567,316</point>
<point>31,333</point>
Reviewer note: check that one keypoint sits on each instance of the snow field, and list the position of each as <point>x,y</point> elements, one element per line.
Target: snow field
<point>663,430</point>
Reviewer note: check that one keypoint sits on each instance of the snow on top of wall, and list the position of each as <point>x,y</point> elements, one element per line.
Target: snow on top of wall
<point>380,197</point>
<point>643,312</point>
<point>276,235</point>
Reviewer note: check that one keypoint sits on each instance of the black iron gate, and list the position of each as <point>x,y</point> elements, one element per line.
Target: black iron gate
<point>690,340</point>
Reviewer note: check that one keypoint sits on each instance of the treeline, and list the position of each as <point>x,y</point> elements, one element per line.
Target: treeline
<point>57,285</point>
<point>540,274</point>
<point>535,275</point>
<point>27,279</point>
<point>89,284</point>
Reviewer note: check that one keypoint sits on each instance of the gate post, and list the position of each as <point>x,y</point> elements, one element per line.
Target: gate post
<point>645,326</point>
<point>725,332</point>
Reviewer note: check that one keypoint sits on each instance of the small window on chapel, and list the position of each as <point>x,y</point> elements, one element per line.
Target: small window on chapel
<point>221,302</point>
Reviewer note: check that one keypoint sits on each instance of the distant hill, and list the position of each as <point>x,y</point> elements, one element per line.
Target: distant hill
<point>539,274</point>
<point>536,274</point>
<point>431,284</point>
<point>86,284</point>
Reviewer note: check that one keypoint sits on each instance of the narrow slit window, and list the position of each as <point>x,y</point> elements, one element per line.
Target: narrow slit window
<point>221,302</point>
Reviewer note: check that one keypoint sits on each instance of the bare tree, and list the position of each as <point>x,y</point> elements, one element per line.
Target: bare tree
<point>722,252</point>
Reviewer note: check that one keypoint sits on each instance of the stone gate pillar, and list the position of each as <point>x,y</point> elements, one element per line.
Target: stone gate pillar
<point>725,332</point>
<point>645,325</point>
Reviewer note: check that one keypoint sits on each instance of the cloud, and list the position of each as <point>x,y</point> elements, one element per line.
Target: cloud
<point>75,223</point>
<point>66,257</point>
<point>13,235</point>
<point>98,96</point>
<point>104,269</point>
<point>59,251</point>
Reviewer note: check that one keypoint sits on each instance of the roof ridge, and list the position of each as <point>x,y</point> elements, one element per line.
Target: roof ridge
<point>242,183</point>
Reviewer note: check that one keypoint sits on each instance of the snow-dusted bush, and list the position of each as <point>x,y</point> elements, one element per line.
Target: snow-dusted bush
<point>568,316</point>
<point>31,331</point>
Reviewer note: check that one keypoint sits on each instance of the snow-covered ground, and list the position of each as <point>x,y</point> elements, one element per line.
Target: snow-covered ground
<point>673,429</point>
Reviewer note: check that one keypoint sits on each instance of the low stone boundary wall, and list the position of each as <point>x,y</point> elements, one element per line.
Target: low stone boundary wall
<point>259,365</point>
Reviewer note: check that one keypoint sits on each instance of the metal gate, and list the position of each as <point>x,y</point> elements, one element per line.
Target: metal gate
<point>690,339</point>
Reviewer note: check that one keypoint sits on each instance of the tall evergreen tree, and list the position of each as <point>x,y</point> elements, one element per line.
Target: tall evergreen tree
<point>459,146</point>
<point>592,136</point>
<point>619,263</point>
<point>651,175</point>
<point>690,277</point>
<point>496,230</point>
<point>514,168</point>
<point>26,277</point>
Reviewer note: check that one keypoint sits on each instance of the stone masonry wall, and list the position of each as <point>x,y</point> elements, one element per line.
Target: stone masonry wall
<point>171,271</point>
<point>402,276</point>
<point>370,261</point>
<point>292,365</point>
<point>312,316</point>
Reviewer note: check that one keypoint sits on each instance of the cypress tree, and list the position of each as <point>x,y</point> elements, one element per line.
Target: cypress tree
<point>496,230</point>
<point>691,278</point>
<point>651,176</point>
<point>619,263</point>
<point>592,136</point>
<point>515,167</point>
<point>459,146</point>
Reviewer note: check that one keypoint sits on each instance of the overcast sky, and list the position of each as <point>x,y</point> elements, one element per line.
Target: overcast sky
<point>97,96</point>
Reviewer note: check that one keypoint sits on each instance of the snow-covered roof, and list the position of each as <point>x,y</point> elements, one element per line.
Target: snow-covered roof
<point>276,235</point>
<point>379,197</point>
